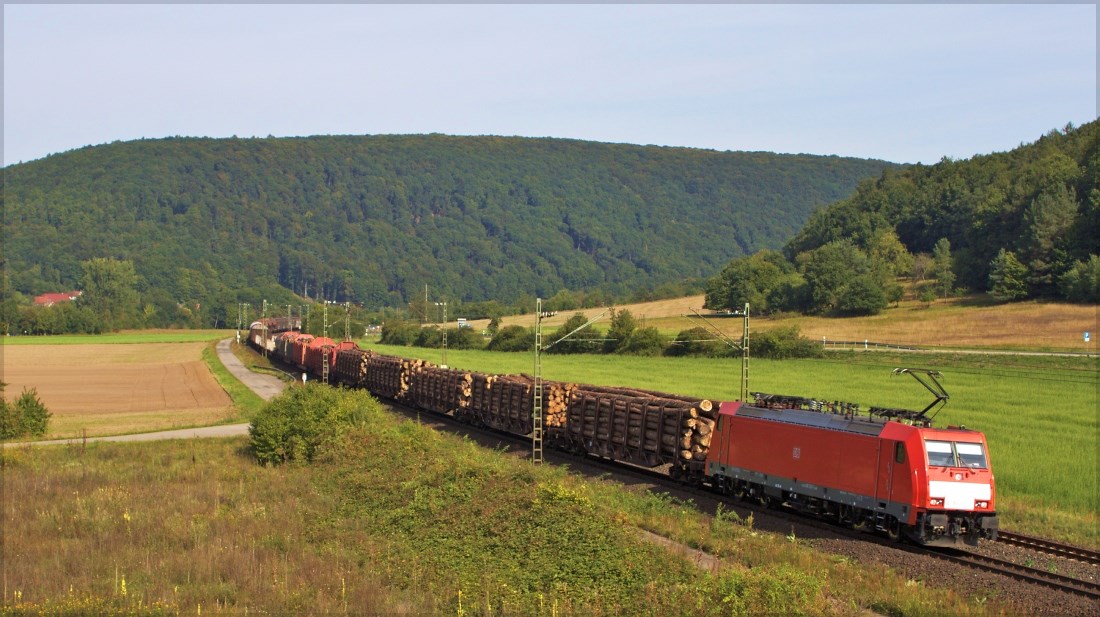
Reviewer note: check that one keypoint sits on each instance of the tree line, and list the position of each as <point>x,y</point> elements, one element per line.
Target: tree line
<point>1020,224</point>
<point>620,335</point>
<point>207,223</point>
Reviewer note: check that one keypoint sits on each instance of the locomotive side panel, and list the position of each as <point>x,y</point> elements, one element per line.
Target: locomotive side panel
<point>840,467</point>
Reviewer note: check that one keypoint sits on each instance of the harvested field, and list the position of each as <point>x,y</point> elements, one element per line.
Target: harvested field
<point>108,389</point>
<point>970,322</point>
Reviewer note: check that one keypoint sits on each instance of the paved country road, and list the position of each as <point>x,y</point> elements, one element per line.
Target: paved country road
<point>266,386</point>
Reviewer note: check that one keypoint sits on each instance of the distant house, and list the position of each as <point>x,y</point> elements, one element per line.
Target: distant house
<point>52,299</point>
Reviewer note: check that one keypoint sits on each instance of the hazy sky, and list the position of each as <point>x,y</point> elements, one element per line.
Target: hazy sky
<point>904,83</point>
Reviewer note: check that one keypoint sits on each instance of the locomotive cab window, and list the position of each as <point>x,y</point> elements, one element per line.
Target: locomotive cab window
<point>940,453</point>
<point>971,455</point>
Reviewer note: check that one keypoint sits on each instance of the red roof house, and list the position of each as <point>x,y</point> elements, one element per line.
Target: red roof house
<point>52,299</point>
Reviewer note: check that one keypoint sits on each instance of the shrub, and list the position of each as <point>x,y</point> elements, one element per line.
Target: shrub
<point>863,296</point>
<point>299,423</point>
<point>643,342</point>
<point>27,416</point>
<point>574,337</point>
<point>622,327</point>
<point>512,338</point>
<point>10,422</point>
<point>783,343</point>
<point>464,338</point>
<point>399,333</point>
<point>430,337</point>
<point>33,415</point>
<point>1081,283</point>
<point>697,341</point>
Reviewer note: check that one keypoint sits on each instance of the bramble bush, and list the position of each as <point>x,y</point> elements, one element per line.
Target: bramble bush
<point>783,344</point>
<point>302,421</point>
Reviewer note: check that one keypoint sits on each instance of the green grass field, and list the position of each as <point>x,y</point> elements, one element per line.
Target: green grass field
<point>1039,414</point>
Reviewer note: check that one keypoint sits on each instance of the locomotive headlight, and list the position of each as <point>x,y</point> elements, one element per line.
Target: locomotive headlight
<point>981,504</point>
<point>935,501</point>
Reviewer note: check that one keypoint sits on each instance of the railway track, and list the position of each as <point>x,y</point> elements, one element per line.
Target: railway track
<point>1050,547</point>
<point>1015,571</point>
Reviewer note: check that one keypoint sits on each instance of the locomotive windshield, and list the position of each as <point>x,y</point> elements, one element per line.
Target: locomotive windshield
<point>955,454</point>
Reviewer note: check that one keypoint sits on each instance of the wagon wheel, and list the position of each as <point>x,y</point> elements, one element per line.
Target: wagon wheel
<point>860,522</point>
<point>893,529</point>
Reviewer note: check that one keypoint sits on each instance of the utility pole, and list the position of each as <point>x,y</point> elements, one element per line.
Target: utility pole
<point>536,410</point>
<point>745,357</point>
<point>444,305</point>
<point>264,324</point>
<point>743,346</point>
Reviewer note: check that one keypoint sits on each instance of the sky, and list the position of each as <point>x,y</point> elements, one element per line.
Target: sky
<point>903,83</point>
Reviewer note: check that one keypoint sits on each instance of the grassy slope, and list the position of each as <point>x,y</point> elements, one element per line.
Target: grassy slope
<point>468,531</point>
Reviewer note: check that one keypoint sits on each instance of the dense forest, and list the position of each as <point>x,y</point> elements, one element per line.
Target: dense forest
<point>194,226</point>
<point>1019,224</point>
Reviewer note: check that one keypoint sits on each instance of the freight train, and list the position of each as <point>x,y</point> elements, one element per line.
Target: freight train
<point>886,470</point>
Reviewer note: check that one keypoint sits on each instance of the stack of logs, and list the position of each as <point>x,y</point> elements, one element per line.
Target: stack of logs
<point>351,366</point>
<point>660,427</point>
<point>506,401</point>
<point>389,376</point>
<point>650,427</point>
<point>437,389</point>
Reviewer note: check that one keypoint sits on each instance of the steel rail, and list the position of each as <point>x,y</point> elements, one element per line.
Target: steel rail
<point>1018,572</point>
<point>1050,547</point>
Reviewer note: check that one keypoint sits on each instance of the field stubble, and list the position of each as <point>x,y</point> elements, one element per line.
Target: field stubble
<point>972,321</point>
<point>112,389</point>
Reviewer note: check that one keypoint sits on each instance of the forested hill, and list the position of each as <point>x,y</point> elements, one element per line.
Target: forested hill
<point>373,219</point>
<point>1024,223</point>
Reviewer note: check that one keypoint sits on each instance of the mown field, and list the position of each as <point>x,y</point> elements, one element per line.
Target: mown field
<point>966,322</point>
<point>466,530</point>
<point>1039,414</point>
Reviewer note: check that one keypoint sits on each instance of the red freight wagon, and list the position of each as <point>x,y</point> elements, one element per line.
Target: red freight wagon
<point>934,486</point>
<point>318,350</point>
<point>296,353</point>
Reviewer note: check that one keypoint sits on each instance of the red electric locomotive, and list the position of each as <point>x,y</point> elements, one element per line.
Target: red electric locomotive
<point>931,486</point>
